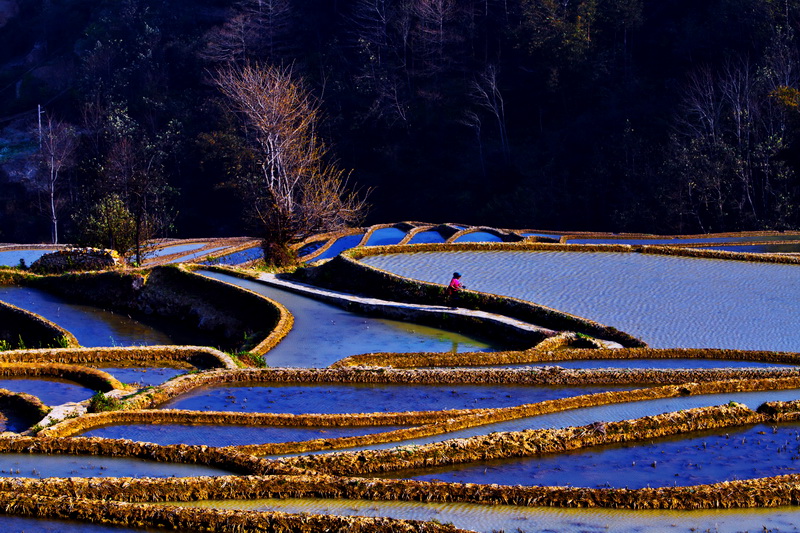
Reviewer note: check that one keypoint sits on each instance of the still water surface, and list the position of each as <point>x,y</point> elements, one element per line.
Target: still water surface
<point>332,398</point>
<point>51,391</point>
<point>323,333</point>
<point>227,435</point>
<point>92,326</point>
<point>42,466</point>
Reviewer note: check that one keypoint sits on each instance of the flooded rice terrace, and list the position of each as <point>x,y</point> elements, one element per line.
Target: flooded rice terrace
<point>43,466</point>
<point>92,326</point>
<point>607,413</point>
<point>51,391</point>
<point>323,333</point>
<point>515,519</point>
<point>661,299</point>
<point>226,435</point>
<point>367,398</point>
<point>666,301</point>
<point>694,459</point>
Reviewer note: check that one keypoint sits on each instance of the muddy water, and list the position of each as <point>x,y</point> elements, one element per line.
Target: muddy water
<point>50,391</point>
<point>366,398</point>
<point>323,333</point>
<point>666,301</point>
<point>695,459</point>
<point>92,326</point>
<point>24,465</point>
<point>227,435</point>
<point>513,519</point>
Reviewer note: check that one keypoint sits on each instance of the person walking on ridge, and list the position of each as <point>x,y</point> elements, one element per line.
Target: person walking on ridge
<point>454,287</point>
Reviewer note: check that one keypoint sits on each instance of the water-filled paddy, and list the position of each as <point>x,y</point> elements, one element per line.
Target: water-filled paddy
<point>479,236</point>
<point>658,363</point>
<point>341,244</point>
<point>695,459</point>
<point>144,376</point>
<point>427,237</point>
<point>698,240</point>
<point>329,398</point>
<point>92,326</point>
<point>12,258</point>
<point>195,255</point>
<point>310,248</point>
<point>385,236</point>
<point>323,333</point>
<point>237,258</point>
<point>174,249</point>
<point>41,525</point>
<point>782,248</point>
<point>51,391</point>
<point>607,413</point>
<point>666,301</point>
<point>227,435</point>
<point>515,519</point>
<point>42,465</point>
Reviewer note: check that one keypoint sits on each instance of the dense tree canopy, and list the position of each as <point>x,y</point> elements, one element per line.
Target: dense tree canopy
<point>619,115</point>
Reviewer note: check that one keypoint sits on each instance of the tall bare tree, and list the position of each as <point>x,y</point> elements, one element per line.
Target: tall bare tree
<point>59,141</point>
<point>297,191</point>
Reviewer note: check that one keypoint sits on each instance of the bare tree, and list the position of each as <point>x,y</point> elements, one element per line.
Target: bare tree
<point>296,191</point>
<point>59,141</point>
<point>255,28</point>
<point>436,33</point>
<point>486,94</point>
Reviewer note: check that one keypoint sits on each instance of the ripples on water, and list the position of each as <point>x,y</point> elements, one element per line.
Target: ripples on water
<point>666,301</point>
<point>694,459</point>
<point>603,413</point>
<point>514,519</point>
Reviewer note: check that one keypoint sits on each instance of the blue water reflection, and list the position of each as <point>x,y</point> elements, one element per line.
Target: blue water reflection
<point>385,236</point>
<point>341,244</point>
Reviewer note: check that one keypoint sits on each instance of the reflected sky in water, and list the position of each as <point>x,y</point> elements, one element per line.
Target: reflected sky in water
<point>92,326</point>
<point>324,333</point>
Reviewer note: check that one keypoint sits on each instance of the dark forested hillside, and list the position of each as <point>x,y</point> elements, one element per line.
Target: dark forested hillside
<point>670,116</point>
